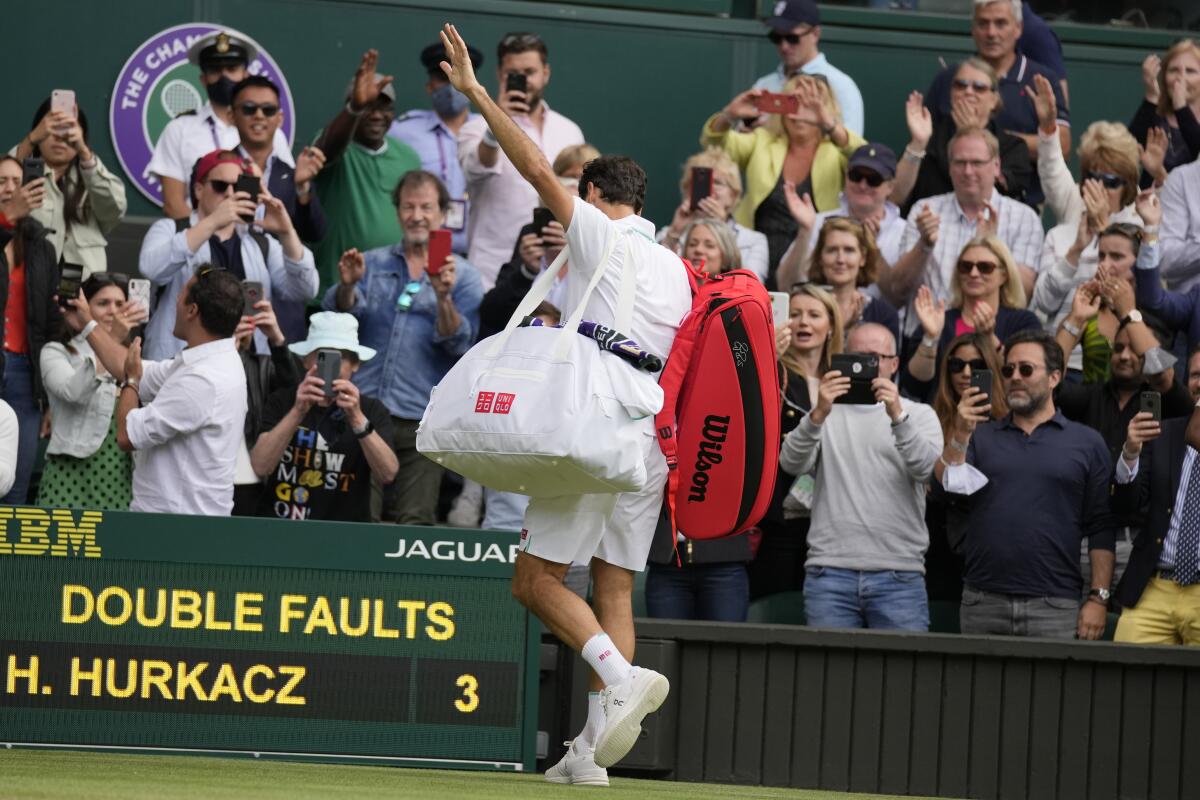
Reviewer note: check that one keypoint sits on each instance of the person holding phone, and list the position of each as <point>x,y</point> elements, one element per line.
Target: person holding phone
<point>1031,487</point>
<point>420,316</point>
<point>217,233</point>
<point>29,278</point>
<point>84,202</point>
<point>807,149</point>
<point>84,466</point>
<point>867,541</point>
<point>355,431</point>
<point>501,199</point>
<point>717,201</point>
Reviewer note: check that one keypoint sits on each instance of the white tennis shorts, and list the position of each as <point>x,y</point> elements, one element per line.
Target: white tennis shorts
<point>616,528</point>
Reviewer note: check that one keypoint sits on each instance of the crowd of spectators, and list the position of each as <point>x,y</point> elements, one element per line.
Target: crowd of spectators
<point>1028,454</point>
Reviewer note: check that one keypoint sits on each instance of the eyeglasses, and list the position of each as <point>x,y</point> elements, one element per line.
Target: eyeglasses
<point>250,109</point>
<point>120,277</point>
<point>521,40</point>
<point>872,179</point>
<point>984,267</point>
<point>1026,369</point>
<point>405,300</point>
<point>220,187</point>
<point>791,38</point>
<point>1109,180</point>
<point>979,86</point>
<point>955,365</point>
<point>963,163</point>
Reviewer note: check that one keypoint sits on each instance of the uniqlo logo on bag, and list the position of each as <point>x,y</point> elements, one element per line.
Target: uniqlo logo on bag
<point>504,402</point>
<point>483,405</point>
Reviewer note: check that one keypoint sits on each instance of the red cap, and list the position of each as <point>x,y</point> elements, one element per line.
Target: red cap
<point>209,161</point>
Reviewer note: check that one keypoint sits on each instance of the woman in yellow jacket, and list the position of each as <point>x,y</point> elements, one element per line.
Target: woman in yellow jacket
<point>804,151</point>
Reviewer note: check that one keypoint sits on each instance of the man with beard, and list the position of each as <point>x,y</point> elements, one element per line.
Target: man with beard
<point>419,324</point>
<point>362,166</point>
<point>222,59</point>
<point>1032,485</point>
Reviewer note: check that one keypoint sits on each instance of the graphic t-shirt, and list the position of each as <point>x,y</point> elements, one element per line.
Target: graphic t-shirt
<point>323,473</point>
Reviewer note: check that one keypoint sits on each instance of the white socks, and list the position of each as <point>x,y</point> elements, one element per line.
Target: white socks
<point>586,740</point>
<point>602,655</point>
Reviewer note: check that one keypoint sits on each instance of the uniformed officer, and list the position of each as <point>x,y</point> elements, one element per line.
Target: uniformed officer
<point>434,135</point>
<point>223,58</point>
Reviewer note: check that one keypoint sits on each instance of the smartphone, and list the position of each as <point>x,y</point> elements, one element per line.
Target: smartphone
<point>771,103</point>
<point>439,251</point>
<point>1152,402</point>
<point>32,168</point>
<point>981,379</point>
<point>516,82</point>
<point>780,307</point>
<point>251,185</point>
<point>541,218</point>
<point>139,290</point>
<point>69,280</point>
<point>63,100</point>
<point>329,368</point>
<point>253,293</point>
<point>861,368</point>
<point>702,184</point>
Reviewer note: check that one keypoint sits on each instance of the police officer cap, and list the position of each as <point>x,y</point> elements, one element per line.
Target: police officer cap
<point>433,55</point>
<point>221,48</point>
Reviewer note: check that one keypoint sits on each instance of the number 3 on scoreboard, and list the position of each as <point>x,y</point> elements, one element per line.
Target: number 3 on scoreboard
<point>470,689</point>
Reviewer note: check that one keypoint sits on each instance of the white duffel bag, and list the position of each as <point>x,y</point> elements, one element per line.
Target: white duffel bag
<point>535,410</point>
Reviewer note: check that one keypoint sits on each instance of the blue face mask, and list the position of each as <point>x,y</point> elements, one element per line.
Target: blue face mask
<point>448,101</point>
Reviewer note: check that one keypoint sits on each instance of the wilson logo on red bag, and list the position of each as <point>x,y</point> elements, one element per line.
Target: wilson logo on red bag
<point>719,427</point>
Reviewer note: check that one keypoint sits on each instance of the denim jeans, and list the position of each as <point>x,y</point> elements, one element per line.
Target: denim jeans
<point>718,592</point>
<point>850,598</point>
<point>18,392</point>
<point>988,613</point>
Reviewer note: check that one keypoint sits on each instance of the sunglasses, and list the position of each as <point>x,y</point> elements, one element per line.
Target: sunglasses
<point>250,109</point>
<point>219,186</point>
<point>872,179</point>
<point>956,365</point>
<point>1024,368</point>
<point>984,267</point>
<point>791,38</point>
<point>120,277</point>
<point>1109,180</point>
<point>405,300</point>
<point>979,86</point>
<point>521,40</point>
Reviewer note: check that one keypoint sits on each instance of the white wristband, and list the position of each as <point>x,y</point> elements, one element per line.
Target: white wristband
<point>489,138</point>
<point>87,329</point>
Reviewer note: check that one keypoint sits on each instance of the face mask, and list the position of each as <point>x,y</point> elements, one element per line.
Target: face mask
<point>221,92</point>
<point>448,101</point>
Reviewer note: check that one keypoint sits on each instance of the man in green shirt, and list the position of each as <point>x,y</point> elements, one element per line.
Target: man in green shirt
<point>363,166</point>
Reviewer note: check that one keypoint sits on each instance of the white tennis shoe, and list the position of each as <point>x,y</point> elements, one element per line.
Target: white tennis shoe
<point>626,704</point>
<point>578,767</point>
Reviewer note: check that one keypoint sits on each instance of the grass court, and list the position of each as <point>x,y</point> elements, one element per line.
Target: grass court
<point>65,775</point>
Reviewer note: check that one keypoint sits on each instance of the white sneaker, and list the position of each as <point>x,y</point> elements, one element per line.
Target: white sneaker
<point>625,706</point>
<point>578,767</point>
<point>467,509</point>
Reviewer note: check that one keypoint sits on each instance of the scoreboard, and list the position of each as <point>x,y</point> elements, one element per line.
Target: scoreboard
<point>264,637</point>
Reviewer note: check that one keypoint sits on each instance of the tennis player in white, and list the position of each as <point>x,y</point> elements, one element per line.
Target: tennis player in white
<point>611,532</point>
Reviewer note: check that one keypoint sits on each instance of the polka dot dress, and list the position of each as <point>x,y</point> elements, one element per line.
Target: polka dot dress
<point>103,480</point>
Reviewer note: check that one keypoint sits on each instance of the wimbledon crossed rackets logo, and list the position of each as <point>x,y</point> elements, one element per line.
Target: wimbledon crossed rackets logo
<point>158,84</point>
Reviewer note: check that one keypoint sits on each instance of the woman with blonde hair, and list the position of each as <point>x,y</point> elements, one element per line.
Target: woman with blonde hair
<point>805,149</point>
<point>1109,165</point>
<point>846,259</point>
<point>986,297</point>
<point>719,204</point>
<point>570,160</point>
<point>812,337</point>
<point>709,242</point>
<point>1167,123</point>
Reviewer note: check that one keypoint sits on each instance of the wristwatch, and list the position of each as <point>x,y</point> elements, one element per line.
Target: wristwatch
<point>1132,316</point>
<point>366,430</point>
<point>1101,593</point>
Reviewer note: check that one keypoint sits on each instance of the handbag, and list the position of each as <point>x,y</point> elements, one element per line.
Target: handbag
<point>542,411</point>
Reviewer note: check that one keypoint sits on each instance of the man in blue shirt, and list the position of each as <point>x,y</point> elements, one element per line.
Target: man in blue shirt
<point>996,27</point>
<point>419,324</point>
<point>796,32</point>
<point>1031,485</point>
<point>434,135</point>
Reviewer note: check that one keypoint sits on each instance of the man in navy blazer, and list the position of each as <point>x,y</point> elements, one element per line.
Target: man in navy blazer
<point>1158,474</point>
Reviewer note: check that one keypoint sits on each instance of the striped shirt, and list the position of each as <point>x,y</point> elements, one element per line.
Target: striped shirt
<point>1019,228</point>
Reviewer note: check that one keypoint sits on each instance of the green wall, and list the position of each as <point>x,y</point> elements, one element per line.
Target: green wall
<point>637,82</point>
